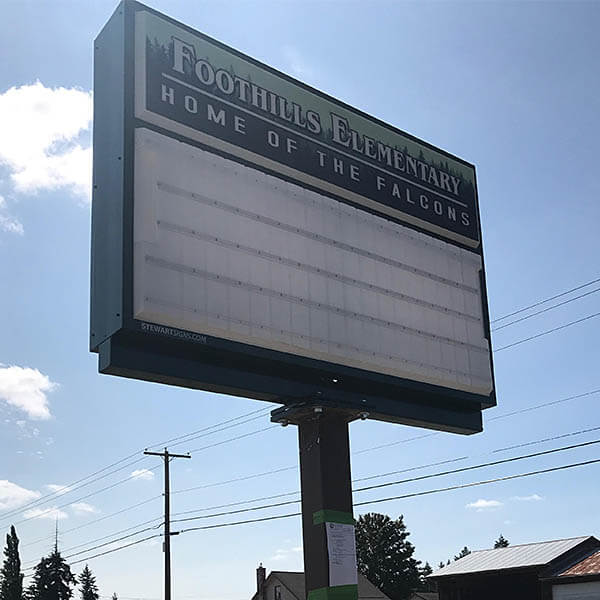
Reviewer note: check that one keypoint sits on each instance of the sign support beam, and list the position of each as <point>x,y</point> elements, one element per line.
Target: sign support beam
<point>327,517</point>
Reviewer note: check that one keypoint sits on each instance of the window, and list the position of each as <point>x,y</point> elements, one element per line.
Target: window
<point>277,592</point>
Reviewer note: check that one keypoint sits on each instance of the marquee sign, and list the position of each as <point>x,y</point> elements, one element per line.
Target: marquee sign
<point>254,236</point>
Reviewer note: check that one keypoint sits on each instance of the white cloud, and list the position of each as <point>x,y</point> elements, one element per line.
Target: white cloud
<point>532,498</point>
<point>144,474</point>
<point>26,389</point>
<point>286,553</point>
<point>13,495</point>
<point>481,504</point>
<point>41,138</point>
<point>53,513</point>
<point>58,489</point>
<point>7,222</point>
<point>83,508</point>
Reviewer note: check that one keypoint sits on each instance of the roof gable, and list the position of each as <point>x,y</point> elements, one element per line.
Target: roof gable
<point>588,566</point>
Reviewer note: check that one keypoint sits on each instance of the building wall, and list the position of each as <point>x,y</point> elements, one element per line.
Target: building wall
<point>577,591</point>
<point>282,594</point>
<point>513,586</point>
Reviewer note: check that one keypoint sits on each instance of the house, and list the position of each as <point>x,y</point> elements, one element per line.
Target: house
<point>566,569</point>
<point>287,585</point>
<point>581,580</point>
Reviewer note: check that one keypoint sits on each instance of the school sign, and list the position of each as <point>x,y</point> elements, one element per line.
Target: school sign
<point>254,236</point>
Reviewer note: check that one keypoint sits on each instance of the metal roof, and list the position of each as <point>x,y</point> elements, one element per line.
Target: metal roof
<point>588,566</point>
<point>526,555</point>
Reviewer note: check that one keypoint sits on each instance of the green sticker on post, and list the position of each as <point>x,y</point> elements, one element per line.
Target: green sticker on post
<point>332,516</point>
<point>337,592</point>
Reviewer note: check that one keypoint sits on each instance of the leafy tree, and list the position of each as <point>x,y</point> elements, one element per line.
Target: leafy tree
<point>11,587</point>
<point>385,556</point>
<point>501,542</point>
<point>89,589</point>
<point>52,578</point>
<point>464,552</point>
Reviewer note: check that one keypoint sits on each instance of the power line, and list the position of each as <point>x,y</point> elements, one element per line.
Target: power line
<point>460,458</point>
<point>402,441</point>
<point>176,439</point>
<point>548,331</point>
<point>478,483</point>
<point>93,521</point>
<point>131,476</point>
<point>182,438</point>
<point>493,418</point>
<point>120,539</point>
<point>110,535</point>
<point>387,474</point>
<point>543,405</point>
<point>34,504</point>
<point>274,496</point>
<point>104,489</point>
<point>234,439</point>
<point>480,466</point>
<point>412,495</point>
<point>110,551</point>
<point>402,481</point>
<point>150,537</point>
<point>376,501</point>
<point>539,312</point>
<point>539,303</point>
<point>236,479</point>
<point>365,503</point>
<point>71,487</point>
<point>548,439</point>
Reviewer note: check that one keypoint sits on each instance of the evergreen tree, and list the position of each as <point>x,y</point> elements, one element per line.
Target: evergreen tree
<point>11,577</point>
<point>464,552</point>
<point>426,585</point>
<point>441,565</point>
<point>52,578</point>
<point>385,556</point>
<point>114,596</point>
<point>89,589</point>
<point>501,542</point>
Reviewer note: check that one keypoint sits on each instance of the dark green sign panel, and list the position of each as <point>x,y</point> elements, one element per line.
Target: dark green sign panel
<point>194,86</point>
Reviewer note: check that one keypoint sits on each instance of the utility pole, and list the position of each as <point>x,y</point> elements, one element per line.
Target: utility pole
<point>166,456</point>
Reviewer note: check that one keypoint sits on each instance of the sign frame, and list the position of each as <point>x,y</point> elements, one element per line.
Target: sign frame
<point>131,348</point>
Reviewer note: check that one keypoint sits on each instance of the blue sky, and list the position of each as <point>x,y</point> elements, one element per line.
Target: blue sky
<point>512,87</point>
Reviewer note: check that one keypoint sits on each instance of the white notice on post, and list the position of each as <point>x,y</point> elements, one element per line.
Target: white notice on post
<point>341,548</point>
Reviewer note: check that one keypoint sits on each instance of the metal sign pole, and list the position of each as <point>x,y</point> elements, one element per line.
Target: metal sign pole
<point>327,518</point>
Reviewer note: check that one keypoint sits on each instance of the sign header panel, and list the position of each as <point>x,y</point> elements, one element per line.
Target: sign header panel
<point>195,87</point>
